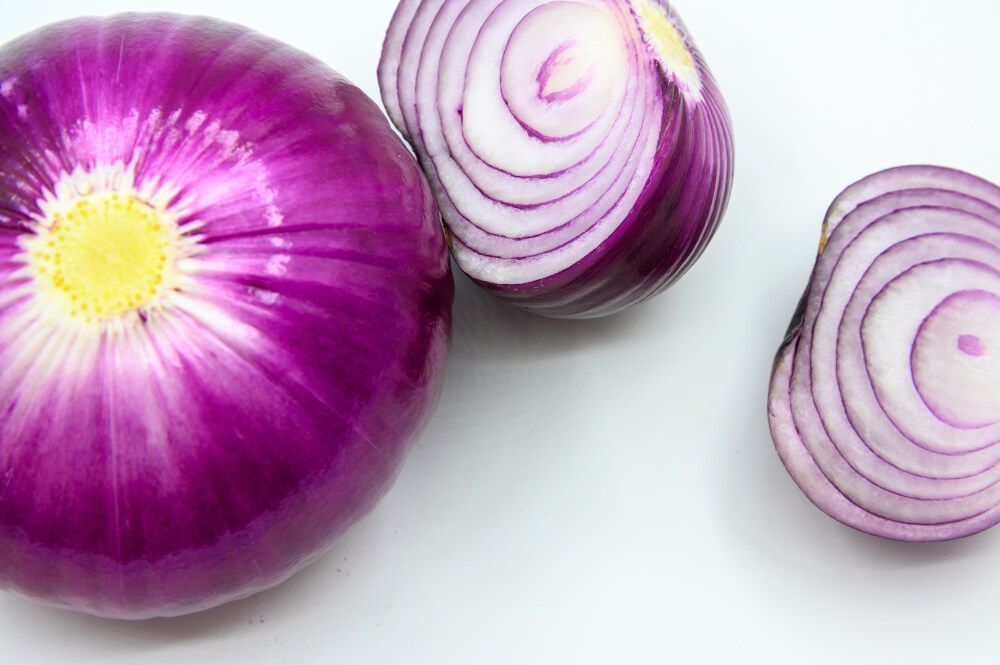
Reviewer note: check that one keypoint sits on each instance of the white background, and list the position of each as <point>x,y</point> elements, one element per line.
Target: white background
<point>607,491</point>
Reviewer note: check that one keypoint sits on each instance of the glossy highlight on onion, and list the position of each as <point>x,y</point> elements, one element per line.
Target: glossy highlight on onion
<point>581,152</point>
<point>884,402</point>
<point>225,309</point>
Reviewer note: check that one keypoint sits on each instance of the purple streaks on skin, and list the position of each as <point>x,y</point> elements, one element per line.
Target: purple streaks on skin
<point>215,460</point>
<point>971,345</point>
<point>557,59</point>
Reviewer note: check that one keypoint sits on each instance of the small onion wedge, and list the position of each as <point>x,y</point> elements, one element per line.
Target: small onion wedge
<point>884,402</point>
<point>580,152</point>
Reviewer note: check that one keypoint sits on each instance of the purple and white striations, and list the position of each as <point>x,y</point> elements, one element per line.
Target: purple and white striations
<point>225,308</point>
<point>580,152</point>
<point>884,402</point>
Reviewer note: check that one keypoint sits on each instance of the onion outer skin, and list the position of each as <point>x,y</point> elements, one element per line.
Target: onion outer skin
<point>874,409</point>
<point>675,184</point>
<point>215,445</point>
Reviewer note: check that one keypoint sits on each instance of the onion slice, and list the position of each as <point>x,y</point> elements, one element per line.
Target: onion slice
<point>884,402</point>
<point>580,151</point>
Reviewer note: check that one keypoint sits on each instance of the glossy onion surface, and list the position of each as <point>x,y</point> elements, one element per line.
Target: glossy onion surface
<point>224,312</point>
<point>885,398</point>
<point>580,152</point>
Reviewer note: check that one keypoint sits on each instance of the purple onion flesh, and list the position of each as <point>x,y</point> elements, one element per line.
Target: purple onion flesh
<point>884,402</point>
<point>580,152</point>
<point>225,308</point>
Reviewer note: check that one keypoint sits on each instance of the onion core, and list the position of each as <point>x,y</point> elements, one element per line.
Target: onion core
<point>102,254</point>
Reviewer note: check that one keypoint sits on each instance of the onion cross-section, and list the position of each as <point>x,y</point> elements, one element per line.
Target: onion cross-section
<point>580,151</point>
<point>885,397</point>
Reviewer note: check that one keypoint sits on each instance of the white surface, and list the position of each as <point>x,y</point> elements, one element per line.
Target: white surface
<point>607,491</point>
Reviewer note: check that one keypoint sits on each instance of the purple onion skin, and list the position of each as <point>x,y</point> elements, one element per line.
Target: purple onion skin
<point>667,227</point>
<point>919,494</point>
<point>205,458</point>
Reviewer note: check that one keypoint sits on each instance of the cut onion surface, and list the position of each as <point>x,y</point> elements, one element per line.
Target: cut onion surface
<point>580,152</point>
<point>884,401</point>
<point>225,308</point>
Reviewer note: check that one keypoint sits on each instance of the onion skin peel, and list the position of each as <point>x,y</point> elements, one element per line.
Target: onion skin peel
<point>200,437</point>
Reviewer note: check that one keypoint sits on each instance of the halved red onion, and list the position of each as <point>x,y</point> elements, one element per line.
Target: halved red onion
<point>884,402</point>
<point>580,152</point>
<point>225,306</point>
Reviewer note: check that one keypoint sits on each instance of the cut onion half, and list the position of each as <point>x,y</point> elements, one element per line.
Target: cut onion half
<point>580,151</point>
<point>884,402</point>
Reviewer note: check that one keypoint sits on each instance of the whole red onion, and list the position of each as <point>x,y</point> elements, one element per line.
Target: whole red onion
<point>224,312</point>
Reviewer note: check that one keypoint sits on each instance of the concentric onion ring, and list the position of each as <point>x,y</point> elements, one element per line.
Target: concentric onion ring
<point>580,152</point>
<point>885,400</point>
